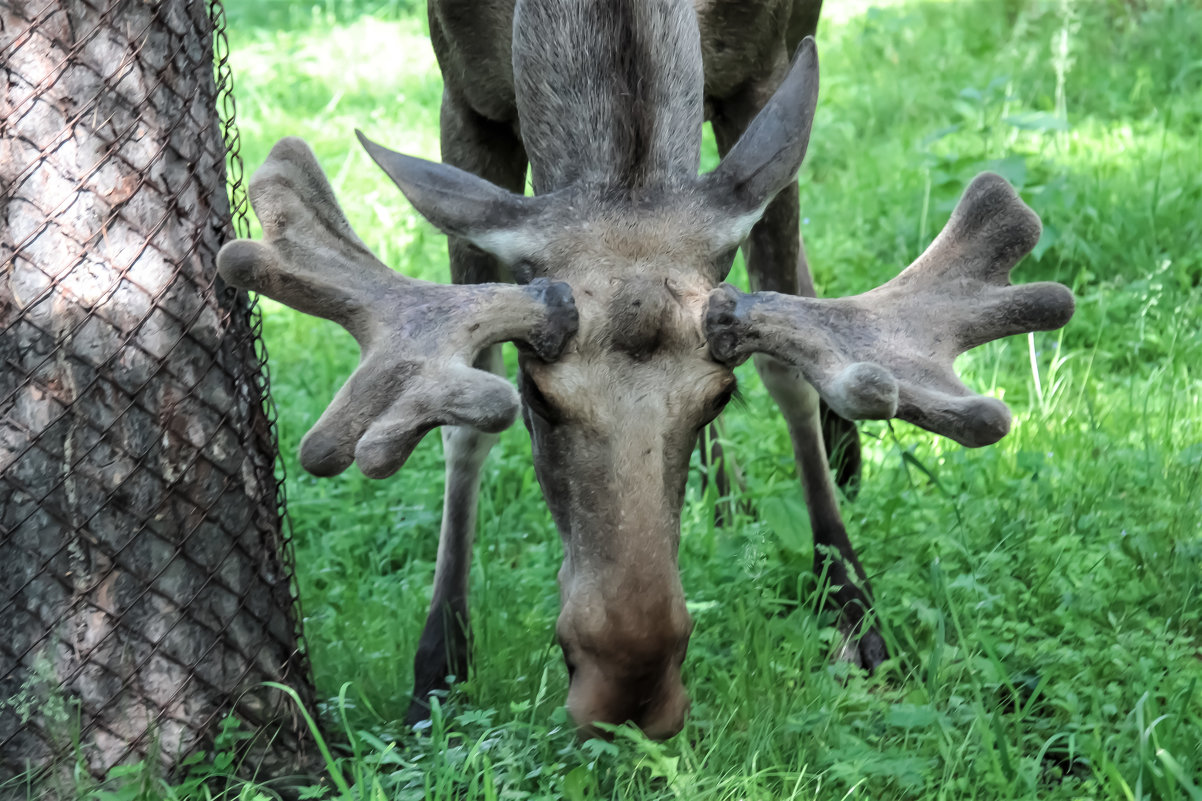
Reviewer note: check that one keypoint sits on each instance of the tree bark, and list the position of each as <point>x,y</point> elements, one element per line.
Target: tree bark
<point>143,592</point>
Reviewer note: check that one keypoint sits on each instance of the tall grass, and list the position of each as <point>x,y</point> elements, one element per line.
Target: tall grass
<point>1041,597</point>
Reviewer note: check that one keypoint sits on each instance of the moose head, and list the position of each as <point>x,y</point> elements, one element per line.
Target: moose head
<point>627,336</point>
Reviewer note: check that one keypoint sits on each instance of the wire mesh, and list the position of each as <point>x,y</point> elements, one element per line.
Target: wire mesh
<point>146,575</point>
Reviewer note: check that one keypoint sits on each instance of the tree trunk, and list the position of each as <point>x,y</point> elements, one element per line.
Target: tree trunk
<point>143,588</point>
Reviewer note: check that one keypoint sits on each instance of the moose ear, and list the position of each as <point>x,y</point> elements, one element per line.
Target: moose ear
<point>769,153</point>
<point>465,205</point>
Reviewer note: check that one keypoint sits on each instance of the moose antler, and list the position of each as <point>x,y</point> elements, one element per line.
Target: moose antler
<point>418,339</point>
<point>890,351</point>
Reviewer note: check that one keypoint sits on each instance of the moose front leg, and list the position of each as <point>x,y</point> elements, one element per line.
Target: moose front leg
<point>492,151</point>
<point>445,645</point>
<point>776,262</point>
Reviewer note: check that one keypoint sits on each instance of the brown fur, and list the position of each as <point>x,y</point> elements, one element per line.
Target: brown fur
<point>607,100</point>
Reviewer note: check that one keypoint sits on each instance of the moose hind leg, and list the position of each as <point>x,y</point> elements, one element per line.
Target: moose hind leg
<point>842,440</point>
<point>776,262</point>
<point>834,558</point>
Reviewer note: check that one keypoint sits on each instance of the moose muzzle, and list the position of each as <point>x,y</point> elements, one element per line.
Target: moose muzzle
<point>624,660</point>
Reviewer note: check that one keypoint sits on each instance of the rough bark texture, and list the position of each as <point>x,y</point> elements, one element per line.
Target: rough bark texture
<point>142,589</point>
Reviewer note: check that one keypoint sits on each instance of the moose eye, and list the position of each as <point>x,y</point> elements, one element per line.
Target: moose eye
<point>719,402</point>
<point>535,400</point>
<point>728,394</point>
<point>725,259</point>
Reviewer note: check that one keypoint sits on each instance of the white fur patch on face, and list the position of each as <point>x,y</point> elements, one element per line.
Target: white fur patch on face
<point>510,245</point>
<point>733,230</point>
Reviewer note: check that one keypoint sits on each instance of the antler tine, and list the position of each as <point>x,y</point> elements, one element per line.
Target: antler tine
<point>890,351</point>
<point>418,339</point>
<point>337,276</point>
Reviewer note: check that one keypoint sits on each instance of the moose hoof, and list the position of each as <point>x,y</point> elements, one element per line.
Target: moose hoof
<point>419,710</point>
<point>865,649</point>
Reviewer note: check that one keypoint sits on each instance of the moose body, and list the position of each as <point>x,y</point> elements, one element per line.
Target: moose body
<point>627,337</point>
<point>594,120</point>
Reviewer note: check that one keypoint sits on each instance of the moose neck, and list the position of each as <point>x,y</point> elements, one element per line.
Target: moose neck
<point>609,92</point>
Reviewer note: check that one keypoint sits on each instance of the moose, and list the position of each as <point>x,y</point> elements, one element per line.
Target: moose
<point>627,335</point>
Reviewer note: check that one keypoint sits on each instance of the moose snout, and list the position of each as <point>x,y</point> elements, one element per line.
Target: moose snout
<point>624,664</point>
<point>655,702</point>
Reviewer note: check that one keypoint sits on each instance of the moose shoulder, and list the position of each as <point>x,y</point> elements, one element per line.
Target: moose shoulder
<point>627,334</point>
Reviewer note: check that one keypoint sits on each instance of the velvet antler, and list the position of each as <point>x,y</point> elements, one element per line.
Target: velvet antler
<point>418,339</point>
<point>890,352</point>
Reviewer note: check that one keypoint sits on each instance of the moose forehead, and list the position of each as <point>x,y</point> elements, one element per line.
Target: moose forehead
<point>640,273</point>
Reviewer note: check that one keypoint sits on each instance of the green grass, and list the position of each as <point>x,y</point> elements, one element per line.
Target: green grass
<point>1041,597</point>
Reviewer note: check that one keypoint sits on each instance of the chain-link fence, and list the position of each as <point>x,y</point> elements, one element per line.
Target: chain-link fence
<point>146,583</point>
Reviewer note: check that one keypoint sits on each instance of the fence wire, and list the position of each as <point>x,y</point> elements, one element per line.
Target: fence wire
<point>146,573</point>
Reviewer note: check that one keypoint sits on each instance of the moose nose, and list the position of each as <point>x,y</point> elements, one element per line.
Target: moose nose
<point>656,704</point>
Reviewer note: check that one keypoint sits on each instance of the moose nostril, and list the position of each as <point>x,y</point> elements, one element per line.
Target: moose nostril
<point>665,718</point>
<point>656,702</point>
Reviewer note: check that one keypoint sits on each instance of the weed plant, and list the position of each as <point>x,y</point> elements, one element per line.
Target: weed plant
<point>1041,597</point>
